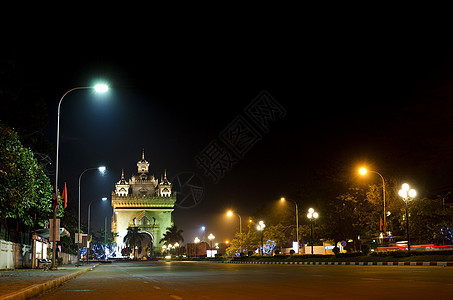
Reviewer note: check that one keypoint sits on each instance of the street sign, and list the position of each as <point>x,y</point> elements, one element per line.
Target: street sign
<point>343,243</point>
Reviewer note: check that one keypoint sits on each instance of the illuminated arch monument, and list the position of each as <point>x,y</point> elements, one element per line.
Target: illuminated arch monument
<point>143,202</point>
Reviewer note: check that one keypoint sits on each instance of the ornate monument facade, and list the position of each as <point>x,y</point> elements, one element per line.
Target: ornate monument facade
<point>144,202</point>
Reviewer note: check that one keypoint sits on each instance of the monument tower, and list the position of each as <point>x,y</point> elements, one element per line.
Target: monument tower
<point>142,202</point>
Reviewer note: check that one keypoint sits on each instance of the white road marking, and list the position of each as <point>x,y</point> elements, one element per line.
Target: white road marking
<point>176,297</point>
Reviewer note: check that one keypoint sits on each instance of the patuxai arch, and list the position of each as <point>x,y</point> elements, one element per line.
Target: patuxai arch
<point>144,202</point>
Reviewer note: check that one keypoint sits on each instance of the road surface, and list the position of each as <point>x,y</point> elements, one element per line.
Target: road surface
<point>195,280</point>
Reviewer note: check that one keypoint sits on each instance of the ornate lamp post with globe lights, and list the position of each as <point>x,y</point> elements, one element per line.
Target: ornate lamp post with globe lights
<point>312,215</point>
<point>407,194</point>
<point>211,237</point>
<point>260,227</point>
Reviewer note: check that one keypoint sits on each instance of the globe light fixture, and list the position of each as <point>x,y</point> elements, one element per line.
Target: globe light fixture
<point>312,214</point>
<point>408,195</point>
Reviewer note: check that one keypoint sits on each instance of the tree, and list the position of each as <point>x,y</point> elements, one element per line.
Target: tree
<point>173,235</point>
<point>25,191</point>
<point>428,221</point>
<point>133,239</point>
<point>245,242</point>
<point>276,233</point>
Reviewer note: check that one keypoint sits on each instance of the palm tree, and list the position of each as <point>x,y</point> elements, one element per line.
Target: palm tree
<point>133,238</point>
<point>173,235</point>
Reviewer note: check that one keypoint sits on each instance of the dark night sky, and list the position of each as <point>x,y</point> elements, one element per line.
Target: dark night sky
<point>350,98</point>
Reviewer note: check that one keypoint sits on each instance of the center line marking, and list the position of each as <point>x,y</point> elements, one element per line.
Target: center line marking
<point>176,297</point>
<point>156,287</point>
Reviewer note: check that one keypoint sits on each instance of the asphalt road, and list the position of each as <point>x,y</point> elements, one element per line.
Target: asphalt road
<point>192,280</point>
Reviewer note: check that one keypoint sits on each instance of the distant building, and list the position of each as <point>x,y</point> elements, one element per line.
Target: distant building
<point>144,202</point>
<point>196,249</point>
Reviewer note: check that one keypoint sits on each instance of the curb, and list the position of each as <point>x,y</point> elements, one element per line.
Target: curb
<point>36,289</point>
<point>352,263</point>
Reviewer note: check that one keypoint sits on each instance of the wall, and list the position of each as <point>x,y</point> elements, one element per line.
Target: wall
<point>17,256</point>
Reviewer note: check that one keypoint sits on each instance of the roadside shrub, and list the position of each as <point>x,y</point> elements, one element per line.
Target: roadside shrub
<point>392,253</point>
<point>365,249</point>
<point>280,256</point>
<point>277,252</point>
<point>349,254</point>
<point>336,250</point>
<point>250,253</point>
<point>292,252</point>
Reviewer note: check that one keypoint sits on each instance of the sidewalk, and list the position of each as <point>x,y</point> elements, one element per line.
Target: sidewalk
<point>26,283</point>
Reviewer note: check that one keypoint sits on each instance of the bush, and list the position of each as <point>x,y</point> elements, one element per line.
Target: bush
<point>336,250</point>
<point>250,253</point>
<point>392,253</point>
<point>277,252</point>
<point>349,254</point>
<point>365,249</point>
<point>292,252</point>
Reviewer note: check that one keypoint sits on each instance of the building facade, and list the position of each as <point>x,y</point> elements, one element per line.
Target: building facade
<point>144,202</point>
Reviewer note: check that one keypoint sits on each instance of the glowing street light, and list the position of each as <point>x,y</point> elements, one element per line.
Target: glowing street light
<point>101,89</point>
<point>101,169</point>
<point>196,241</point>
<point>229,214</point>
<point>211,237</point>
<point>312,215</point>
<point>363,172</point>
<point>407,194</point>
<point>260,227</point>
<point>282,199</point>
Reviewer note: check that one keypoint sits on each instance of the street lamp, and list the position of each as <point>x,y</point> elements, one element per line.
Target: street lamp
<point>196,241</point>
<point>282,199</point>
<point>229,214</point>
<point>89,212</point>
<point>100,89</point>
<point>211,237</point>
<point>312,215</point>
<point>363,172</point>
<point>407,194</point>
<point>260,227</point>
<point>101,169</point>
<point>89,217</point>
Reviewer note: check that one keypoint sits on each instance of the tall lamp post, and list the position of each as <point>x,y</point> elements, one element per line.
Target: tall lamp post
<point>99,88</point>
<point>312,215</point>
<point>89,217</point>
<point>89,212</point>
<point>211,237</point>
<point>407,194</point>
<point>260,227</point>
<point>363,172</point>
<point>102,171</point>
<point>196,241</point>
<point>297,223</point>
<point>229,214</point>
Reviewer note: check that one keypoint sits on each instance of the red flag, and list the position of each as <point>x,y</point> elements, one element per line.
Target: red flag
<point>55,199</point>
<point>380,224</point>
<point>64,195</point>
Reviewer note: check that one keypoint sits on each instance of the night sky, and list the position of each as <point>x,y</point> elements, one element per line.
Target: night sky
<point>349,99</point>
